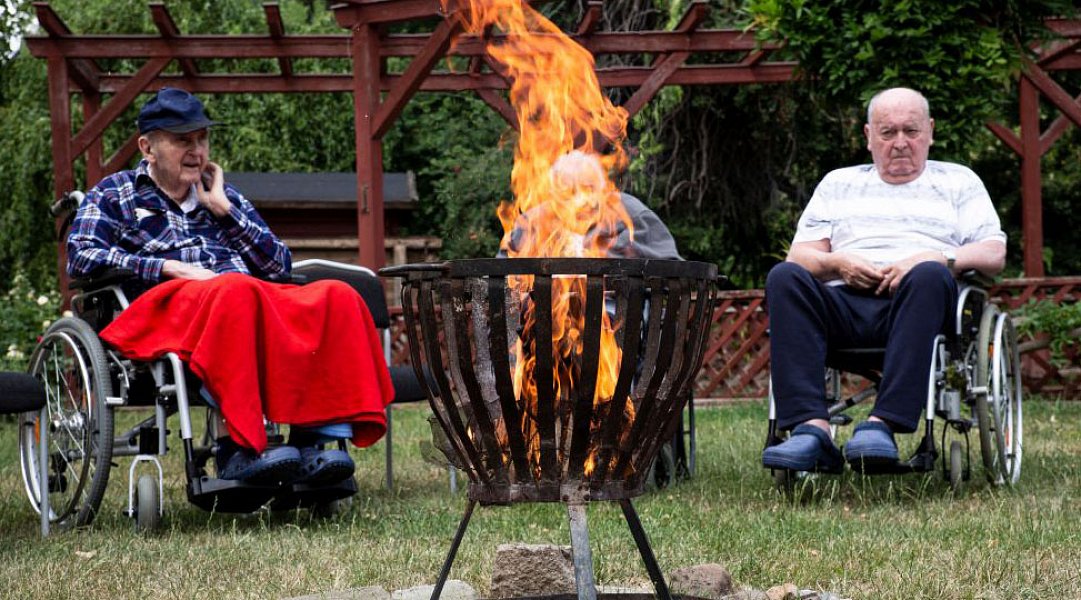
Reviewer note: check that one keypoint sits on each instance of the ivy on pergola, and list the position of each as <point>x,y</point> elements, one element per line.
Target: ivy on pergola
<point>722,57</point>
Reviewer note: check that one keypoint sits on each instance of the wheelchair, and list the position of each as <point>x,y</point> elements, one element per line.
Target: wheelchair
<point>68,449</point>
<point>974,384</point>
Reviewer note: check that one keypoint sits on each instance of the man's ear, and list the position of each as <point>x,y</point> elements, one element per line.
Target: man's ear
<point>146,148</point>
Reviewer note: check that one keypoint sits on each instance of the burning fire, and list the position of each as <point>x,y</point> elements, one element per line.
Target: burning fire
<point>565,204</point>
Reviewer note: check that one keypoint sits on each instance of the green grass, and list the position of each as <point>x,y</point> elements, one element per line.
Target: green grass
<point>886,537</point>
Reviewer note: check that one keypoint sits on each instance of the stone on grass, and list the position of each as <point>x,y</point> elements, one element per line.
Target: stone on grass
<point>453,589</point>
<point>532,570</point>
<point>365,593</point>
<point>785,591</point>
<point>701,581</point>
<point>747,594</point>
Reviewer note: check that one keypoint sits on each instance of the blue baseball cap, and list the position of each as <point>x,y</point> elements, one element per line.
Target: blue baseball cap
<point>173,110</point>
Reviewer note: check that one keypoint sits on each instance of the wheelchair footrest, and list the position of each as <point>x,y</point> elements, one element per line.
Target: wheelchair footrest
<point>921,462</point>
<point>229,495</point>
<point>300,495</point>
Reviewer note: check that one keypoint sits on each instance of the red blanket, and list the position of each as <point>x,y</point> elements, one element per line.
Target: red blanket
<point>302,355</point>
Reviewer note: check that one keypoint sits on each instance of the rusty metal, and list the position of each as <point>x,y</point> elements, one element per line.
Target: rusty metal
<point>463,321</point>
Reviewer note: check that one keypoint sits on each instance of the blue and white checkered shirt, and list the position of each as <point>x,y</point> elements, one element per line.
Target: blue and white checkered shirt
<point>127,222</point>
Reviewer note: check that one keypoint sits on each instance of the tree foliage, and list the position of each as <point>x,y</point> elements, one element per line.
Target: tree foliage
<point>728,168</point>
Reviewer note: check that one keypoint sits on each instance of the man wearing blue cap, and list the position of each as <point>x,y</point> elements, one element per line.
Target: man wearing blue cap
<point>191,239</point>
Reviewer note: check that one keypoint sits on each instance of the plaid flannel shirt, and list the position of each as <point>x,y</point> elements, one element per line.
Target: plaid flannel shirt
<point>127,222</point>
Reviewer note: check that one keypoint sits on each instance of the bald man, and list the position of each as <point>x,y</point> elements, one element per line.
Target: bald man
<point>872,264</point>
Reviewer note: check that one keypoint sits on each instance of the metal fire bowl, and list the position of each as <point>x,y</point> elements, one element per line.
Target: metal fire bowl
<point>464,321</point>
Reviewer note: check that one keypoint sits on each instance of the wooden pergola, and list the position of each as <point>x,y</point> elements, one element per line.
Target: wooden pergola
<point>172,58</point>
<point>378,95</point>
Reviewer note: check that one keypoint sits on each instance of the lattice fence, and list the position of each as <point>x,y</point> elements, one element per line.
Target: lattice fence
<point>736,363</point>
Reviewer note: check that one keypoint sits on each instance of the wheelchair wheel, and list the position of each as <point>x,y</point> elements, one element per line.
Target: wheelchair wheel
<point>957,473</point>
<point>72,365</point>
<point>999,410</point>
<point>147,504</point>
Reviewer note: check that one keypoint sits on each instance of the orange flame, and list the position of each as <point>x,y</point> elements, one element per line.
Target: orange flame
<point>564,200</point>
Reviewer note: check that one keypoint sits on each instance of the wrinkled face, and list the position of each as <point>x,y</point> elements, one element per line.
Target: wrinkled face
<point>899,137</point>
<point>178,159</point>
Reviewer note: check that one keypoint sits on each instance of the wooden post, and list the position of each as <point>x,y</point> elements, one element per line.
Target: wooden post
<point>1031,181</point>
<point>94,152</point>
<point>366,82</point>
<point>63,169</point>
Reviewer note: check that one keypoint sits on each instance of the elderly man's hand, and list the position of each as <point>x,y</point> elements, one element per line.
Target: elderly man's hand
<point>856,271</point>
<point>894,273</point>
<point>213,198</point>
<point>175,269</point>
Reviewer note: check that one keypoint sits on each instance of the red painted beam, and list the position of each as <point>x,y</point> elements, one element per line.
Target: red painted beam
<point>604,42</point>
<point>122,156</point>
<point>662,72</point>
<point>337,46</point>
<point>369,148</point>
<point>226,83</point>
<point>1007,136</point>
<point>350,14</point>
<point>95,126</point>
<point>84,73</point>
<point>277,32</point>
<point>168,29</point>
<point>191,46</point>
<point>414,75</point>
<point>1052,91</point>
<point>591,17</point>
<point>500,105</point>
<point>1031,180</point>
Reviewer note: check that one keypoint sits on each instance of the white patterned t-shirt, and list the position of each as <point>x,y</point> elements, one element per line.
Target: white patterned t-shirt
<point>947,206</point>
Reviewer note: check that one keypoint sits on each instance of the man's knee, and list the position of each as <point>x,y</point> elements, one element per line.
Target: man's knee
<point>785,275</point>
<point>928,280</point>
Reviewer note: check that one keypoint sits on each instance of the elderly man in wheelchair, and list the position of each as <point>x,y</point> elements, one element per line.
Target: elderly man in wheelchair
<point>870,286</point>
<point>191,294</point>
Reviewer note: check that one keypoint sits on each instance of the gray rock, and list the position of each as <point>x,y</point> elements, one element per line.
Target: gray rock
<point>710,580</point>
<point>748,594</point>
<point>532,570</point>
<point>454,589</point>
<point>364,593</point>
<point>786,591</point>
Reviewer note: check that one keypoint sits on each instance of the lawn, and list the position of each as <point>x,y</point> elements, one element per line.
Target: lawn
<point>884,537</point>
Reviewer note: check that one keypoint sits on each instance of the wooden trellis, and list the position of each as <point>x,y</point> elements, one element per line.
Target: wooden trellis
<point>736,363</point>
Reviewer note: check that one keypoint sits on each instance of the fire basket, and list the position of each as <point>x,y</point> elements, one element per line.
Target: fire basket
<point>557,379</point>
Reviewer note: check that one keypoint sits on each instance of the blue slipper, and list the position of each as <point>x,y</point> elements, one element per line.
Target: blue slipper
<point>808,448</point>
<point>324,467</point>
<point>871,444</point>
<point>277,465</point>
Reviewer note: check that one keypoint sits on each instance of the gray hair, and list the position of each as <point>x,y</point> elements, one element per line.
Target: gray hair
<point>874,100</point>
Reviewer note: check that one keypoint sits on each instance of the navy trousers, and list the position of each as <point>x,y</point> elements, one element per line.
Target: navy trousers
<point>808,317</point>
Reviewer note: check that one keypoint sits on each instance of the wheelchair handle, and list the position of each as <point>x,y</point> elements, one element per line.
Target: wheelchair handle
<point>66,203</point>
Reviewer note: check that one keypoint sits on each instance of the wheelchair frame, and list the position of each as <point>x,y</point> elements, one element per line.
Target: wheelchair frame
<point>84,383</point>
<point>976,367</point>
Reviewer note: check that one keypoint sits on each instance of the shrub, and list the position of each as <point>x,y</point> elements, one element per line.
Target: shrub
<point>25,312</point>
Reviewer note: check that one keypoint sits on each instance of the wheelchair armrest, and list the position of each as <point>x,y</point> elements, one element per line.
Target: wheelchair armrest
<point>976,278</point>
<point>102,279</point>
<point>407,387</point>
<point>20,392</point>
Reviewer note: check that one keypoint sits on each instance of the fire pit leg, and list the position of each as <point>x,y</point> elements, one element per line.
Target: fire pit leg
<point>583,556</point>
<point>445,571</point>
<point>643,548</point>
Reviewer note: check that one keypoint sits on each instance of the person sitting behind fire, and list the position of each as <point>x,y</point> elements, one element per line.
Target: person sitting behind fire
<point>193,242</point>
<point>578,172</point>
